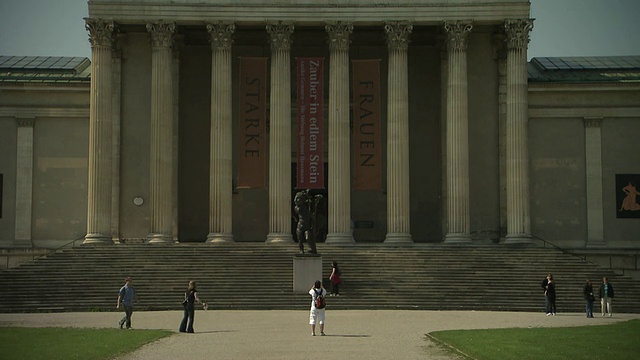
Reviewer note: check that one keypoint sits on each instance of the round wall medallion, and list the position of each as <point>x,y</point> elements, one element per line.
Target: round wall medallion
<point>138,201</point>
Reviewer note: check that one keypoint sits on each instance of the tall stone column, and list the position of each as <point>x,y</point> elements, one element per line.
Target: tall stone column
<point>398,206</point>
<point>161,155</point>
<point>178,42</point>
<point>517,161</point>
<point>101,37</point>
<point>457,134</point>
<point>116,103</point>
<point>24,183</point>
<point>593,162</point>
<point>339,197</point>
<point>280,134</point>
<point>220,171</point>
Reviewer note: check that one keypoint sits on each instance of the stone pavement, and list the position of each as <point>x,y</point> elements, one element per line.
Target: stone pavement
<point>351,334</point>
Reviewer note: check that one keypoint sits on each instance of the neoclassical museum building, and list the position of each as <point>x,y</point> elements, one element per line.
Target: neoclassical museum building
<point>414,121</point>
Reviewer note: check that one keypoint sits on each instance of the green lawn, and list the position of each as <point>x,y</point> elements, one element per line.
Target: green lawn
<point>72,343</point>
<point>618,341</point>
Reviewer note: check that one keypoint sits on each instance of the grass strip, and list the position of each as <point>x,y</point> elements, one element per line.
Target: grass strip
<point>613,341</point>
<point>72,343</point>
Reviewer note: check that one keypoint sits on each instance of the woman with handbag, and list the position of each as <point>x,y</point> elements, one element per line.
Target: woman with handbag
<point>189,303</point>
<point>335,279</point>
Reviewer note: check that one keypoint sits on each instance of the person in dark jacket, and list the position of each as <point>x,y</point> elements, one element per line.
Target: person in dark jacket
<point>550,296</point>
<point>606,295</point>
<point>588,297</point>
<point>547,308</point>
<point>189,303</point>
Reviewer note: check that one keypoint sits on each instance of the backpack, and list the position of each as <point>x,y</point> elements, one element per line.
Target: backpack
<point>320,302</point>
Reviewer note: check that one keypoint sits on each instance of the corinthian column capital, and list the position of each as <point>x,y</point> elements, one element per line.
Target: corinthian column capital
<point>457,34</point>
<point>517,32</point>
<point>339,33</point>
<point>161,33</point>
<point>280,35</point>
<point>221,34</point>
<point>398,33</point>
<point>101,33</point>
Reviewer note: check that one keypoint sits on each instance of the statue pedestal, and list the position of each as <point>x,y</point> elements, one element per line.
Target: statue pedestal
<point>306,270</point>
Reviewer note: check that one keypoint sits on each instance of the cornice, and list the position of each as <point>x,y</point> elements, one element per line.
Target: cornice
<point>310,14</point>
<point>43,112</point>
<point>42,86</point>
<point>583,86</point>
<point>584,112</point>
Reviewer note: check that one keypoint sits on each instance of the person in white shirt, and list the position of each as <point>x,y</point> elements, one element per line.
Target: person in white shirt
<point>316,315</point>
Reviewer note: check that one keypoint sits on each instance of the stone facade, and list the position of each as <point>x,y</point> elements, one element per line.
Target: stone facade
<point>473,152</point>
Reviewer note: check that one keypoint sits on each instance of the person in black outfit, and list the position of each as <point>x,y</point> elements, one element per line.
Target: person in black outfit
<point>588,297</point>
<point>544,289</point>
<point>189,303</point>
<point>550,296</point>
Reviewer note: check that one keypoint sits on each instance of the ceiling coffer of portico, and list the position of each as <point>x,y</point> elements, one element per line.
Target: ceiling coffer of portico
<point>307,12</point>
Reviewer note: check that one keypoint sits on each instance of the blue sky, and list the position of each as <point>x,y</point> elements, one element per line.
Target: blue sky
<point>561,28</point>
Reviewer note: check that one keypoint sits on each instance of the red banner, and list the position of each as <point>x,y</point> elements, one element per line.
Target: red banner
<point>310,123</point>
<point>252,157</point>
<point>367,143</point>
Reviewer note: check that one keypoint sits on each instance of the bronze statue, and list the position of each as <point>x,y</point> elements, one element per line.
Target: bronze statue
<point>303,202</point>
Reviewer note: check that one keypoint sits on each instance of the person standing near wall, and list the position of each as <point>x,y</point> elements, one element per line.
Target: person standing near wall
<point>588,298</point>
<point>126,297</point>
<point>606,295</point>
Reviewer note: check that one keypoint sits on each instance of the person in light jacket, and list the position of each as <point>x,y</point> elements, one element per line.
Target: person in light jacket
<point>606,295</point>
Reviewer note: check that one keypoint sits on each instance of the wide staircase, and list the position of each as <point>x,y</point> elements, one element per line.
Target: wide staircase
<point>260,276</point>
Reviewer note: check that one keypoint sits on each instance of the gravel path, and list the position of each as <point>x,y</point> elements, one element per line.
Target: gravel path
<point>351,334</point>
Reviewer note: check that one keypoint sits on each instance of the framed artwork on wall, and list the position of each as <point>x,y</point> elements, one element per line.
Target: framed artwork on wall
<point>627,196</point>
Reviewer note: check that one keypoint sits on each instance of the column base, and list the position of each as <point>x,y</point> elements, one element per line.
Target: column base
<point>596,244</point>
<point>518,239</point>
<point>279,238</point>
<point>457,238</point>
<point>97,239</point>
<point>217,238</point>
<point>21,243</point>
<point>160,239</point>
<point>339,238</point>
<point>398,238</point>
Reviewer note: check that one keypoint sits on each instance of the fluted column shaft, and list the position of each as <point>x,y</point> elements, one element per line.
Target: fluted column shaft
<point>398,206</point>
<point>457,134</point>
<point>593,164</point>
<point>220,171</point>
<point>339,197</point>
<point>517,161</point>
<point>24,182</point>
<point>100,132</point>
<point>280,134</point>
<point>161,155</point>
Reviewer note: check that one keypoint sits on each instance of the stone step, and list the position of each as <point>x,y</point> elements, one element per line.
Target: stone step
<point>376,277</point>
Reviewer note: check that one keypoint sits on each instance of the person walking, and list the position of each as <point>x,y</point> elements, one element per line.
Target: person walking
<point>126,297</point>
<point>317,313</point>
<point>550,296</point>
<point>335,279</point>
<point>544,283</point>
<point>189,303</point>
<point>588,297</point>
<point>606,295</point>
